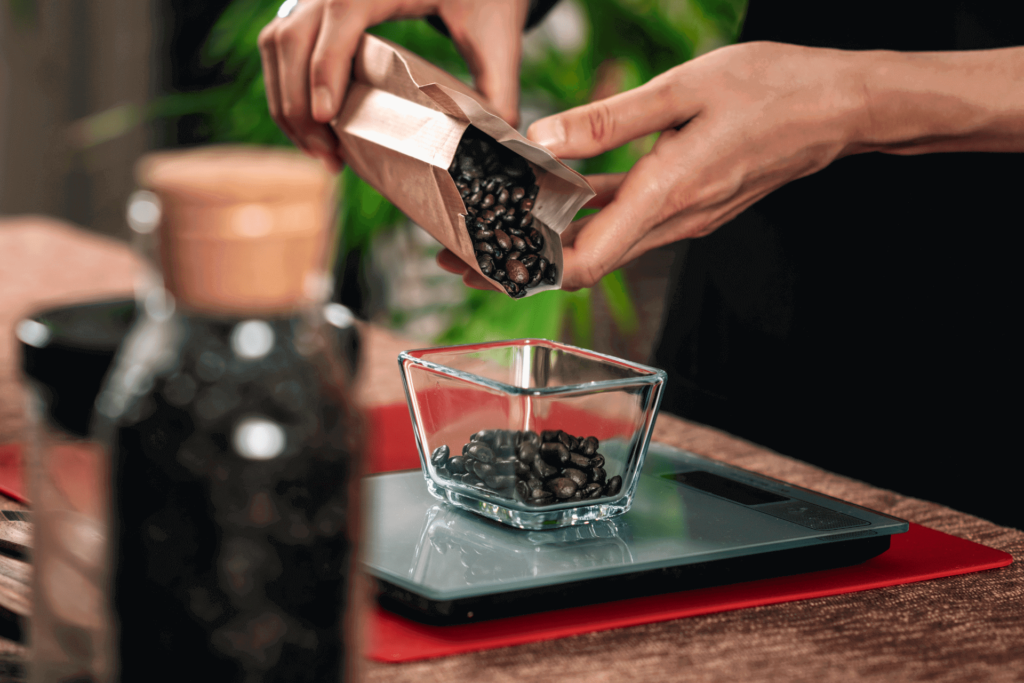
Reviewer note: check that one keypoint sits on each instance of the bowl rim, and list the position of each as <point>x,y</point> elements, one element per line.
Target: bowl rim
<point>650,375</point>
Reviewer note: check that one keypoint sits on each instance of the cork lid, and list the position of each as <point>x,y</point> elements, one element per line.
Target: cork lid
<point>243,230</point>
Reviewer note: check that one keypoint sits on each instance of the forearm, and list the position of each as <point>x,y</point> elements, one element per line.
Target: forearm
<point>916,103</point>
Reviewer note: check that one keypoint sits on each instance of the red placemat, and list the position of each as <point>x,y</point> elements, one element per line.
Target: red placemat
<point>918,555</point>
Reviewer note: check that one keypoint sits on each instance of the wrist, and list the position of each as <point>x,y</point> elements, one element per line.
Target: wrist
<point>914,103</point>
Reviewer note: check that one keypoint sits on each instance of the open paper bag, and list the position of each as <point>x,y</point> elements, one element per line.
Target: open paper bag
<point>399,129</point>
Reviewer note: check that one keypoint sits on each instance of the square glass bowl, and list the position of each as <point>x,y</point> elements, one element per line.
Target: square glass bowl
<point>529,432</point>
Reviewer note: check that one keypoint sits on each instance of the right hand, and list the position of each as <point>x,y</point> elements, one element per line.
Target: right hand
<point>307,58</point>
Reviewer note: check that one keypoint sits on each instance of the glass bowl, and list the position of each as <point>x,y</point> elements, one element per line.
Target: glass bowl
<point>532,433</point>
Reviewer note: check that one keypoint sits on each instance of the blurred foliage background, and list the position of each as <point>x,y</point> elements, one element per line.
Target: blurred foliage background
<point>582,51</point>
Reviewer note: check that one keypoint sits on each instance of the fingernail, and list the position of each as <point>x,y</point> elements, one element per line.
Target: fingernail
<point>549,132</point>
<point>323,107</point>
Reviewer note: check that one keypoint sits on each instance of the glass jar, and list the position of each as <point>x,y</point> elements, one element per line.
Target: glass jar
<point>230,434</point>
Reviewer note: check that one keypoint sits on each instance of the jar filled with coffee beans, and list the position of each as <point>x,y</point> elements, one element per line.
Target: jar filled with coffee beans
<point>231,436</point>
<point>499,189</point>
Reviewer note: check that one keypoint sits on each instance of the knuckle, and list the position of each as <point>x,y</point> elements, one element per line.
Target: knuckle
<point>267,38</point>
<point>589,276</point>
<point>600,122</point>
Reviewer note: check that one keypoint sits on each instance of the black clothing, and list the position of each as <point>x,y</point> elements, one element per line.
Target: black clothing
<point>861,318</point>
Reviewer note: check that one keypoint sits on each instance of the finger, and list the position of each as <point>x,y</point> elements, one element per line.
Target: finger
<point>294,41</point>
<point>341,28</point>
<point>591,129</point>
<point>602,238</point>
<point>477,281</point>
<point>489,37</point>
<point>452,263</point>
<point>271,82</point>
<point>605,185</point>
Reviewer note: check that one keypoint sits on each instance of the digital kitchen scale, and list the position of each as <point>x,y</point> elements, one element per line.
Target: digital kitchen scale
<point>694,523</point>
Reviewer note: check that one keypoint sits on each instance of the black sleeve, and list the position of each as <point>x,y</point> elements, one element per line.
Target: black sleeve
<point>538,10</point>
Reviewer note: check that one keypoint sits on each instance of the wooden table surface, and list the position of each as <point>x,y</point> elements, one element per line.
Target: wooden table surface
<point>964,628</point>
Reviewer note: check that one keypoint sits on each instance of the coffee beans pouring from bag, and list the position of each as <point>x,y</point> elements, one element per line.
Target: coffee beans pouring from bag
<point>499,189</point>
<point>538,469</point>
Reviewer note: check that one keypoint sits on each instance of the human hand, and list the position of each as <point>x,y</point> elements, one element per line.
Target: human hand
<point>307,57</point>
<point>736,124</point>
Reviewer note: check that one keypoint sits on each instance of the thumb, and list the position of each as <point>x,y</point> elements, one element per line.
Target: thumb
<point>597,127</point>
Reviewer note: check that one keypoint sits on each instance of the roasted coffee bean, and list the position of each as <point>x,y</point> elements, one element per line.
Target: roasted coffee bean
<point>471,479</point>
<point>589,446</point>
<point>576,475</point>
<point>517,272</point>
<point>505,466</point>
<point>499,179</point>
<point>440,455</point>
<point>551,274</point>
<point>512,256</point>
<point>484,247</point>
<point>517,194</point>
<point>597,460</point>
<point>483,234</point>
<point>500,210</point>
<point>502,197</point>
<point>480,451</point>
<point>531,192</point>
<point>549,435</point>
<point>481,469</point>
<point>523,489</point>
<point>527,452</point>
<point>530,261</point>
<point>518,243</point>
<point>526,221</point>
<point>503,240</point>
<point>510,287</point>
<point>535,239</point>
<point>535,278</point>
<point>562,487</point>
<point>579,461</point>
<point>541,497</point>
<point>474,186</point>
<point>567,441</point>
<point>543,470</point>
<point>525,206</point>
<point>488,216</point>
<point>502,482</point>
<point>532,438</point>
<point>613,486</point>
<point>592,491</point>
<point>598,475</point>
<point>508,221</point>
<point>522,469</point>
<point>555,453</point>
<point>486,263</point>
<point>500,275</point>
<point>487,202</point>
<point>457,465</point>
<point>474,199</point>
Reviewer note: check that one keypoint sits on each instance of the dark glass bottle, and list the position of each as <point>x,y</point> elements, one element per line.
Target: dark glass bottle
<point>231,436</point>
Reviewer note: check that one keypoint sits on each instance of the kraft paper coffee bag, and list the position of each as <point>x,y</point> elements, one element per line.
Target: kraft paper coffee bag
<point>399,129</point>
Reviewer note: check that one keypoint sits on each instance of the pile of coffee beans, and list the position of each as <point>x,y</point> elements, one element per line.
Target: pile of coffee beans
<point>499,190</point>
<point>537,469</point>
